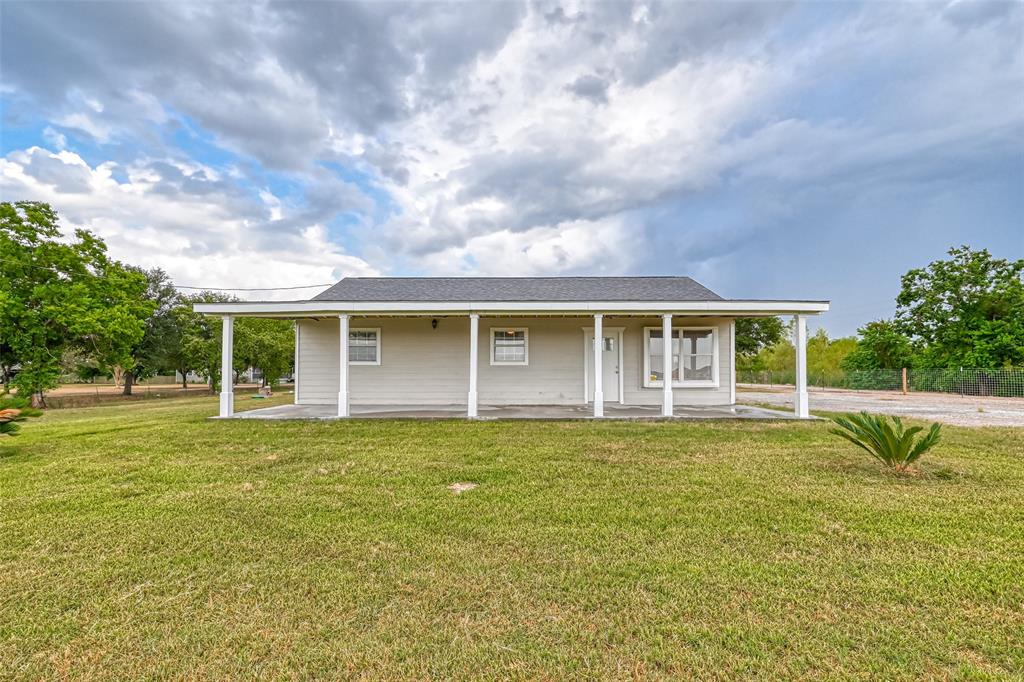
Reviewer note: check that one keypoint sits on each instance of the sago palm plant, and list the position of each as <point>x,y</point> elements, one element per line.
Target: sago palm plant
<point>888,442</point>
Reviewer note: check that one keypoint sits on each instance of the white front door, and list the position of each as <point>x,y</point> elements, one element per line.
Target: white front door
<point>609,367</point>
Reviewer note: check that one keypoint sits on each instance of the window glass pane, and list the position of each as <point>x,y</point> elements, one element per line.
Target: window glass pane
<point>698,355</point>
<point>362,346</point>
<point>697,367</point>
<point>675,356</point>
<point>510,346</point>
<point>509,338</point>
<point>509,354</point>
<point>656,359</point>
<point>697,342</point>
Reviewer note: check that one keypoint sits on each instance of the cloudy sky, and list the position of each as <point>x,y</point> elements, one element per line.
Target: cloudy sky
<point>768,149</point>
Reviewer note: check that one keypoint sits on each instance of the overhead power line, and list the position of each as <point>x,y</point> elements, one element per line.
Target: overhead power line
<point>307,286</point>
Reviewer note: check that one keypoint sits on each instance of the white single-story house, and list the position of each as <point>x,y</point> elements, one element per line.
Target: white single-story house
<point>499,341</point>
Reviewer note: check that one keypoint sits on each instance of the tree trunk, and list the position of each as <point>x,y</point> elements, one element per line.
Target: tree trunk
<point>37,400</point>
<point>184,378</point>
<point>129,380</point>
<point>118,374</point>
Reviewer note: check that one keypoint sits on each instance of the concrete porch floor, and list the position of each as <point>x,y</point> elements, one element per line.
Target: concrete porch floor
<point>611,411</point>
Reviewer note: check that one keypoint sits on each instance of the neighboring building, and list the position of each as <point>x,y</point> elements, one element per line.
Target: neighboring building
<point>515,341</point>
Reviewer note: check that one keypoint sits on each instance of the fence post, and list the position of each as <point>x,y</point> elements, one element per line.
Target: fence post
<point>904,381</point>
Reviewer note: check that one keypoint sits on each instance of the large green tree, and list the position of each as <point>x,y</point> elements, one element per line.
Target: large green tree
<point>156,349</point>
<point>119,325</point>
<point>880,345</point>
<point>57,293</point>
<point>753,334</point>
<point>967,311</point>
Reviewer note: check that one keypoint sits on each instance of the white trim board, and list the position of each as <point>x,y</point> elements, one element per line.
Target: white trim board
<point>369,308</point>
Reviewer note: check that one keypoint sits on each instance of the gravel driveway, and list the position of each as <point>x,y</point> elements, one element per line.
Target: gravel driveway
<point>940,407</point>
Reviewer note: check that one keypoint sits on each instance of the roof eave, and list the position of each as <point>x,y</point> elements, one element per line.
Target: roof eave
<point>736,308</point>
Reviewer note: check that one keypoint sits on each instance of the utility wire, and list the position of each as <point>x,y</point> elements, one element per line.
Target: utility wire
<point>308,286</point>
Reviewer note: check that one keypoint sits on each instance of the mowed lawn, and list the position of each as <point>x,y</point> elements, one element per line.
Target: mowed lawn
<point>144,540</point>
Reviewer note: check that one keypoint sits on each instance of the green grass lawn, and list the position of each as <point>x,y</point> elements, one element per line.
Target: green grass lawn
<point>142,539</point>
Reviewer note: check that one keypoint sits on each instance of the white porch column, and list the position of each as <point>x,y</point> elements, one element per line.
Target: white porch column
<point>227,376</point>
<point>800,400</point>
<point>598,365</point>
<point>666,337</point>
<point>474,348</point>
<point>732,362</point>
<point>343,365</point>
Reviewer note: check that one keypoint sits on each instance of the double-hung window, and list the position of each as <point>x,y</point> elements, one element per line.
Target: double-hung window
<point>694,356</point>
<point>364,347</point>
<point>510,346</point>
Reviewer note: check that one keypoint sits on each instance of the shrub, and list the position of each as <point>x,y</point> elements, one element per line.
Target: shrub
<point>888,442</point>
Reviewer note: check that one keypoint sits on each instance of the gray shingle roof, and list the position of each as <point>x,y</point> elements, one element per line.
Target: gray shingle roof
<point>518,289</point>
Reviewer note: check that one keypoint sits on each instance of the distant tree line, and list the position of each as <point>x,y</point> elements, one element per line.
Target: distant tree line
<point>66,306</point>
<point>963,312</point>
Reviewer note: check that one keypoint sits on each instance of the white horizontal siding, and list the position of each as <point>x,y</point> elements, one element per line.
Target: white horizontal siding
<point>418,364</point>
<point>555,373</point>
<point>318,362</point>
<point>427,366</point>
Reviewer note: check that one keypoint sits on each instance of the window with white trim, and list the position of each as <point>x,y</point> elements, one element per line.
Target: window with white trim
<point>510,346</point>
<point>364,346</point>
<point>694,356</point>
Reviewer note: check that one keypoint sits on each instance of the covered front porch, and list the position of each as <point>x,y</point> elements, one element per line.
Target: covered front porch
<point>484,412</point>
<point>531,361</point>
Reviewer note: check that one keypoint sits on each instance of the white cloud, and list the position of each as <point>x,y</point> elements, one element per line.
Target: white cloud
<point>215,237</point>
<point>605,247</point>
<point>516,155</point>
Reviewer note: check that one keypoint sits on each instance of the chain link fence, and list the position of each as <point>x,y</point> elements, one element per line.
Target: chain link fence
<point>980,382</point>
